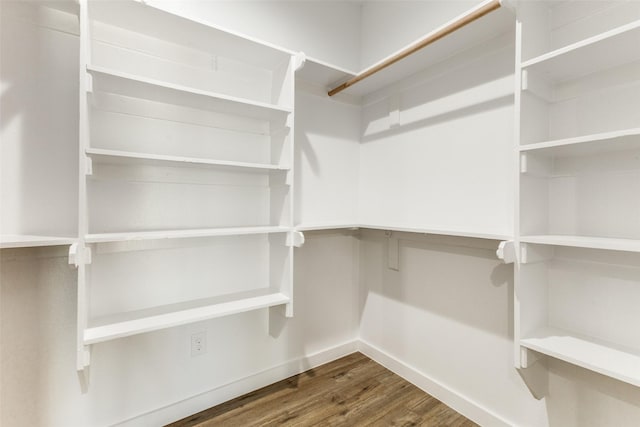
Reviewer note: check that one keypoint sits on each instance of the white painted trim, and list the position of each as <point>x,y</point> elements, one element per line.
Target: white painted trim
<point>452,398</point>
<point>223,393</point>
<point>194,404</point>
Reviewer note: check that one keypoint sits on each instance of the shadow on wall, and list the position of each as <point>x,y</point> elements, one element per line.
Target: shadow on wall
<point>468,83</point>
<point>450,277</point>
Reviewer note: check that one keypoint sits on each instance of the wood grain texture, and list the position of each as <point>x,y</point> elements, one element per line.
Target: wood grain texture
<point>351,391</point>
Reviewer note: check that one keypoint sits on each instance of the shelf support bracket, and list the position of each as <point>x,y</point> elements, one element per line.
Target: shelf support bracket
<point>79,255</point>
<point>393,251</point>
<point>527,358</point>
<point>89,83</point>
<point>295,238</point>
<point>88,169</point>
<point>507,252</point>
<point>298,61</point>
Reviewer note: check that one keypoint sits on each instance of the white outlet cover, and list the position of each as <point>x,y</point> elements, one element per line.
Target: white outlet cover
<point>198,344</point>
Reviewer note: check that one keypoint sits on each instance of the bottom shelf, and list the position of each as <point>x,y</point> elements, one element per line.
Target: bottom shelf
<point>138,322</point>
<point>604,358</point>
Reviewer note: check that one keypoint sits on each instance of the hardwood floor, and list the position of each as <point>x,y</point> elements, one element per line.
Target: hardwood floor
<point>351,391</point>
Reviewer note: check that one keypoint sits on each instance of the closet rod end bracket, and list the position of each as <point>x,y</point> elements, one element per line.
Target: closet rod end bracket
<point>507,252</point>
<point>295,238</point>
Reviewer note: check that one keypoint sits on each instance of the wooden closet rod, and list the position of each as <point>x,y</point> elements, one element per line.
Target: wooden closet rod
<point>464,20</point>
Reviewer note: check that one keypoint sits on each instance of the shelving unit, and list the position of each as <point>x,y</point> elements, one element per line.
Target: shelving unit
<point>577,97</point>
<point>191,161</point>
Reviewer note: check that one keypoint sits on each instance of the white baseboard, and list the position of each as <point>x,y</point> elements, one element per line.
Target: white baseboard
<point>470,409</point>
<point>202,401</point>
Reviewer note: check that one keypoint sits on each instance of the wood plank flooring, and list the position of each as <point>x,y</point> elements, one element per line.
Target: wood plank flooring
<point>351,391</point>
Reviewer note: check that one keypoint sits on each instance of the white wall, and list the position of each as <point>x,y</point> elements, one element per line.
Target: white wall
<point>387,26</point>
<point>326,157</point>
<point>448,164</point>
<point>328,31</point>
<point>447,313</point>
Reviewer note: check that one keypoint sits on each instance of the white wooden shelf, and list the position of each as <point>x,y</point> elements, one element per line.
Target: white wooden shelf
<point>622,140</point>
<point>489,26</point>
<point>404,229</point>
<point>612,244</point>
<point>28,240</point>
<point>182,234</point>
<point>322,73</point>
<point>161,23</point>
<point>125,84</point>
<point>102,156</point>
<point>327,226</point>
<point>138,322</point>
<point>607,50</point>
<point>438,231</point>
<point>604,358</point>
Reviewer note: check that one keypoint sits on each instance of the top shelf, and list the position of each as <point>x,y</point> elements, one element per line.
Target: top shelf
<point>477,32</point>
<point>322,73</point>
<point>607,50</point>
<point>159,23</point>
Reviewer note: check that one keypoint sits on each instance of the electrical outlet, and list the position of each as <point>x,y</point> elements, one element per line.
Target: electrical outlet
<point>198,344</point>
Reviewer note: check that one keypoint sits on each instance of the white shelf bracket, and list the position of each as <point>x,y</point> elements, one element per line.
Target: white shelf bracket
<point>88,170</point>
<point>525,80</point>
<point>83,361</point>
<point>531,254</point>
<point>524,163</point>
<point>79,255</point>
<point>289,122</point>
<point>89,83</point>
<point>393,251</point>
<point>299,60</point>
<point>83,376</point>
<point>527,358</point>
<point>507,252</point>
<point>295,238</point>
